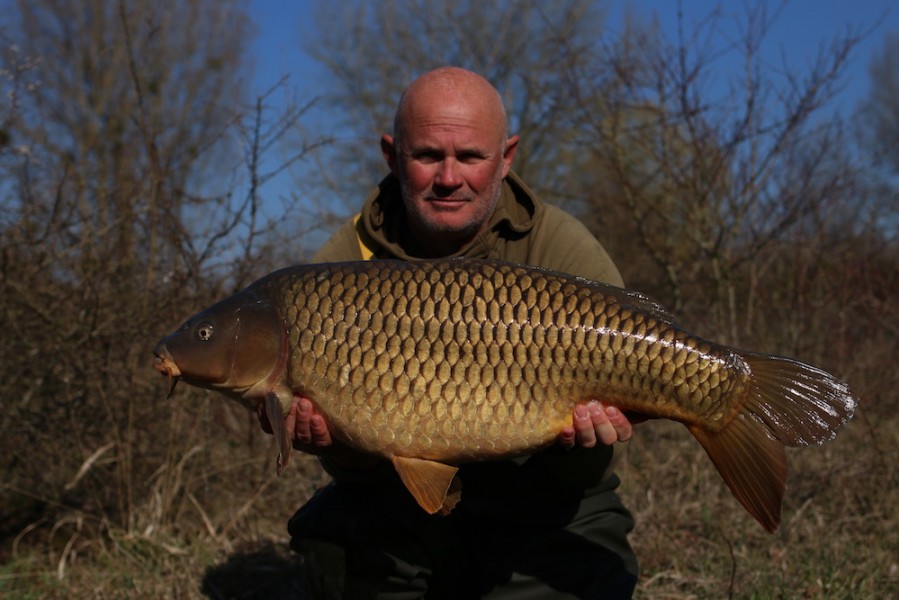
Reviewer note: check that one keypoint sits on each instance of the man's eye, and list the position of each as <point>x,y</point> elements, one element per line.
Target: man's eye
<point>428,157</point>
<point>470,157</point>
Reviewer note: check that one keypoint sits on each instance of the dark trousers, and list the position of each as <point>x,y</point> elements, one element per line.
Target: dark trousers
<point>363,541</point>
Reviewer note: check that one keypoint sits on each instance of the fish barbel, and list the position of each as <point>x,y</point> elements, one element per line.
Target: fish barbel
<point>436,363</point>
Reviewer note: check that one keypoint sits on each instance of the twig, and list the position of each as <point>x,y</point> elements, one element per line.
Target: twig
<point>85,467</point>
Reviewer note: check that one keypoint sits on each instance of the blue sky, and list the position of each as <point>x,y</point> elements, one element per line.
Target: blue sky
<point>802,26</point>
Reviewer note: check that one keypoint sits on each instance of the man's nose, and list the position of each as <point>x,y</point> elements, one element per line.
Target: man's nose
<point>448,174</point>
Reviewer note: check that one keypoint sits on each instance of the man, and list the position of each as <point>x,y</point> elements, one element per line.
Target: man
<point>544,526</point>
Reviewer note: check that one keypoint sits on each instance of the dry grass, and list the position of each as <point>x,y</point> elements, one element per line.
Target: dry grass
<point>840,531</point>
<point>208,521</point>
<point>839,538</point>
<point>109,491</point>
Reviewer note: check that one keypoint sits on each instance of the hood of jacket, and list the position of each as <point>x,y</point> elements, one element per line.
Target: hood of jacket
<point>384,220</point>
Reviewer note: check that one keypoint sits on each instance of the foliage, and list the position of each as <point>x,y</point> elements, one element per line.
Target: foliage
<point>879,115</point>
<point>120,115</point>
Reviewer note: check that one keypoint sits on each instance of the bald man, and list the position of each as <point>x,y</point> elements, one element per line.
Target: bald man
<point>549,525</point>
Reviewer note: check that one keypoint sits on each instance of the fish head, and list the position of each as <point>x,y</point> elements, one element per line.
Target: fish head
<point>237,346</point>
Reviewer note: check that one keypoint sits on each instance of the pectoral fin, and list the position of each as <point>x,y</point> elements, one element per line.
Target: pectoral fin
<point>282,428</point>
<point>430,482</point>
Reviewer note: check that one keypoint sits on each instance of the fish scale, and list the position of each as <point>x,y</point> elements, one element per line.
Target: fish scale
<point>502,346</point>
<point>432,364</point>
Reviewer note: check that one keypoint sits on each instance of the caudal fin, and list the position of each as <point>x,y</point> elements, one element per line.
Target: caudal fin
<point>799,404</point>
<point>789,404</point>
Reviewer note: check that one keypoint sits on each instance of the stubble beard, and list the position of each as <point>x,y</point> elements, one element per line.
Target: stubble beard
<point>428,226</point>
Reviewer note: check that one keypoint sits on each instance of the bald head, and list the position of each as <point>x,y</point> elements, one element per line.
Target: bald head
<point>454,90</point>
<point>450,151</point>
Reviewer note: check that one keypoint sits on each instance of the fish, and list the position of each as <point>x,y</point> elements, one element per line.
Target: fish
<point>434,364</point>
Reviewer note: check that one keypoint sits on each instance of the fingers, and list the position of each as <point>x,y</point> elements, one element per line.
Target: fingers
<point>595,423</point>
<point>311,427</point>
<point>567,438</point>
<point>321,435</point>
<point>303,415</point>
<point>620,422</point>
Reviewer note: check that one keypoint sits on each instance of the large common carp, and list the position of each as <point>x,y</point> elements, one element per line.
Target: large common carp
<point>437,363</point>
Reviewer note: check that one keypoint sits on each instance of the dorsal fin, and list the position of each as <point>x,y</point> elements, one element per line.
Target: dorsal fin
<point>641,302</point>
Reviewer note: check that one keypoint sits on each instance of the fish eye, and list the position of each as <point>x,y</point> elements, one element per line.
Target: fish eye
<point>204,332</point>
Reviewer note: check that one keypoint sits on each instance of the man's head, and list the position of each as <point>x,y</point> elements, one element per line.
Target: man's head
<point>450,151</point>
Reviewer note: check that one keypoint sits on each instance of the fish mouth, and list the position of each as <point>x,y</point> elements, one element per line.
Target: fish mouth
<point>165,365</point>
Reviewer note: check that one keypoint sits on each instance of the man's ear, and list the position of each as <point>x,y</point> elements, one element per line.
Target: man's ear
<point>388,149</point>
<point>509,153</point>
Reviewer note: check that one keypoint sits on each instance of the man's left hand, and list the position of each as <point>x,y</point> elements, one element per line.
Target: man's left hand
<point>594,422</point>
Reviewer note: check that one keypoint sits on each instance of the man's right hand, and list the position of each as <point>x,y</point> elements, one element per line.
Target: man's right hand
<point>312,435</point>
<point>311,429</point>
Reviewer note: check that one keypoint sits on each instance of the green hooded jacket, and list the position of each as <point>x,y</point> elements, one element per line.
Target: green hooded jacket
<point>522,230</point>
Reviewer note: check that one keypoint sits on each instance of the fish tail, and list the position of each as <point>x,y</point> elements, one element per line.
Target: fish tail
<point>788,403</point>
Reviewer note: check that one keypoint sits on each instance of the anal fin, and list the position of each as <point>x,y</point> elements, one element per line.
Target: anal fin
<point>431,483</point>
<point>752,464</point>
<point>453,496</point>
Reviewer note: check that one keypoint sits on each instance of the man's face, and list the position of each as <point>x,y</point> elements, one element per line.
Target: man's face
<point>450,158</point>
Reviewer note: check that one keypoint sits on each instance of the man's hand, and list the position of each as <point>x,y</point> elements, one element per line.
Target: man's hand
<point>311,435</point>
<point>311,430</point>
<point>310,426</point>
<point>595,422</point>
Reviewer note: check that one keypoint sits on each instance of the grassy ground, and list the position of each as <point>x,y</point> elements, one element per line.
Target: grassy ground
<point>226,537</point>
<point>210,521</point>
<point>840,531</point>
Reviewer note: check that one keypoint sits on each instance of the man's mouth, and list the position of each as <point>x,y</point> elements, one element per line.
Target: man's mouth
<point>448,202</point>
